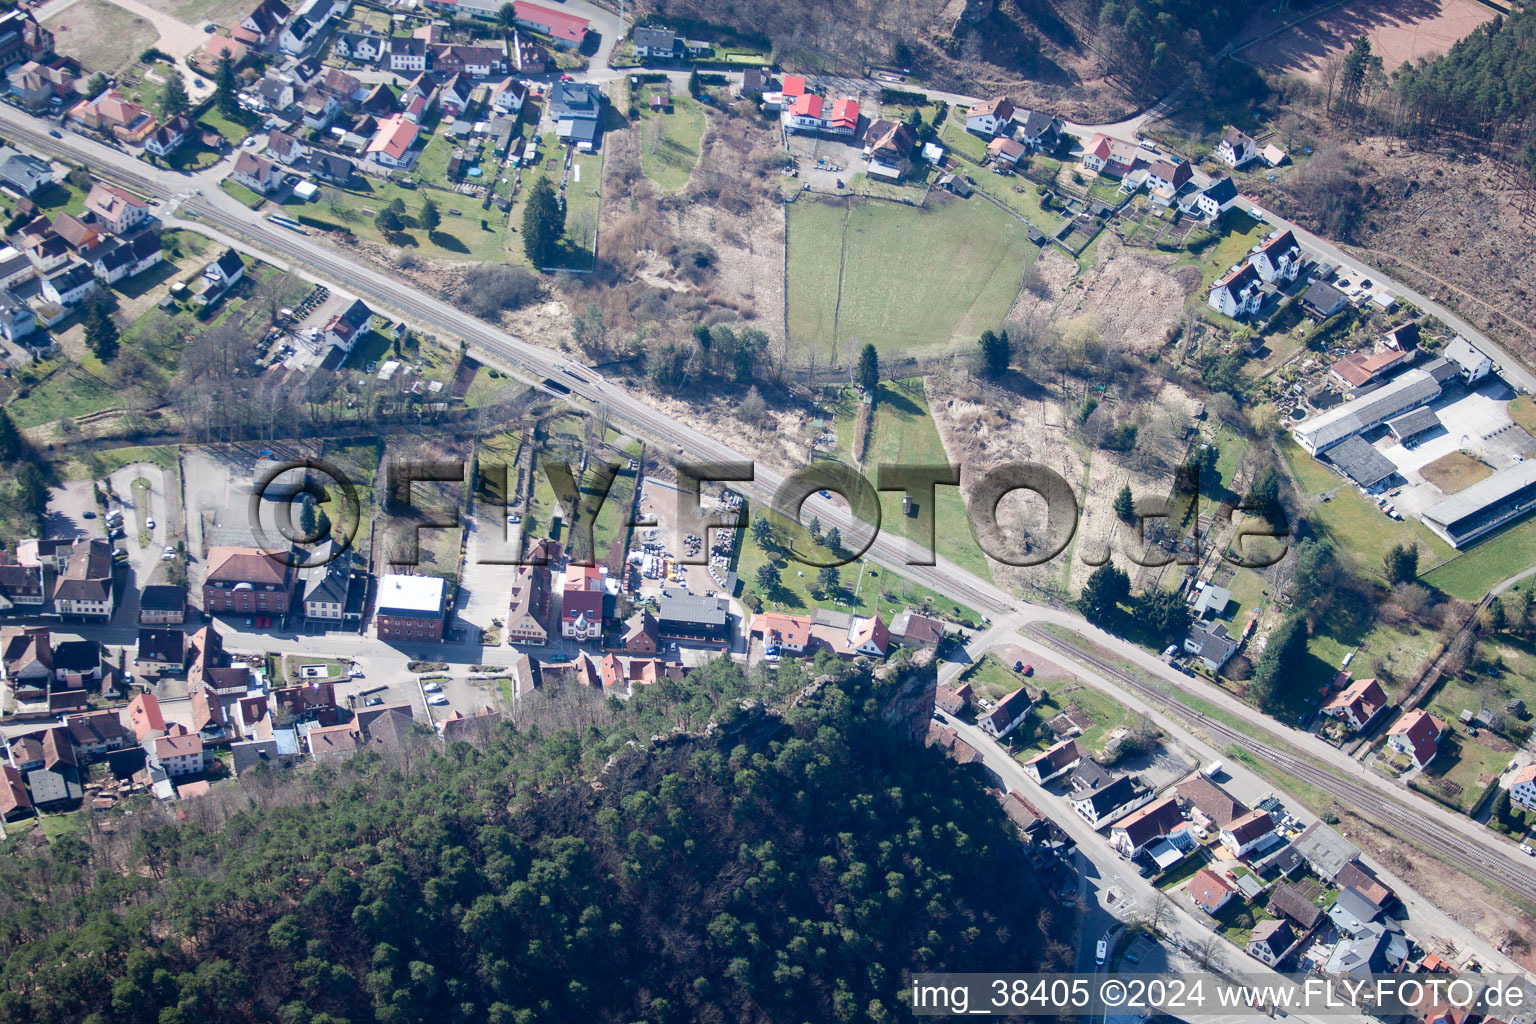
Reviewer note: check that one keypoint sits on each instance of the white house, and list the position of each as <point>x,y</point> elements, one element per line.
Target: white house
<point>303,28</point>
<point>116,209</point>
<point>256,173</point>
<point>177,753</point>
<point>507,97</point>
<point>346,327</point>
<point>1213,200</point>
<point>1237,149</point>
<point>1006,714</point>
<point>112,263</point>
<point>805,115</point>
<point>1278,258</point>
<point>69,284</point>
<point>359,47</point>
<point>1252,831</point>
<point>16,318</point>
<point>407,53</point>
<point>1417,735</point>
<point>1522,788</point>
<point>986,118</point>
<point>1474,366</point>
<point>1238,294</point>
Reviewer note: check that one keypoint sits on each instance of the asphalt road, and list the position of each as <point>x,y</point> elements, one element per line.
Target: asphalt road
<point>1473,848</point>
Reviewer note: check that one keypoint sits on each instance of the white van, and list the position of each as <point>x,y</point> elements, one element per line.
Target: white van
<point>1212,770</point>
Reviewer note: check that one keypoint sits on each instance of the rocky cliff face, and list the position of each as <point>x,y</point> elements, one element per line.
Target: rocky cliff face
<point>908,691</point>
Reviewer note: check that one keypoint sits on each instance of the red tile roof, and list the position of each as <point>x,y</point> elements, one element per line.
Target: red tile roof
<point>845,114</point>
<point>1209,889</point>
<point>808,105</point>
<point>567,27</point>
<point>794,85</point>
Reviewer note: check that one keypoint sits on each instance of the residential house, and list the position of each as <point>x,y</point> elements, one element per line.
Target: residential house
<point>333,593</point>
<point>475,61</point>
<point>162,602</point>
<point>1005,151</point>
<point>305,26</point>
<point>1006,714</point>
<point>528,57</point>
<point>576,108</point>
<point>14,802</point>
<point>1357,704</point>
<point>261,28</point>
<point>343,329</point>
<point>1292,902</point>
<point>1213,200</point>
<point>318,108</point>
<point>391,145</point>
<point>84,589</point>
<point>246,581</point>
<point>17,321</point>
<point>1106,803</point>
<point>1522,787</point>
<point>328,167</point>
<point>953,700</point>
<point>23,173</point>
<point>1054,762</point>
<point>508,96</point>
<point>1025,816</point>
<point>36,85</point>
<point>1416,735</point>
<point>418,99</point>
<point>1209,891</point>
<point>209,721</point>
<point>1236,149</point>
<point>69,284</point>
<point>1209,641</point>
<point>313,701</point>
<point>1239,293</point>
<point>1357,370</point>
<point>1105,155</point>
<point>179,752</point>
<point>913,629</point>
<point>346,88</point>
<point>1278,258</point>
<point>642,634</point>
<point>56,784</point>
<point>1404,337</point>
<point>358,47</point>
<point>118,211</point>
<point>1209,805</point>
<point>1325,851</point>
<point>334,742</point>
<point>455,95</point>
<point>1471,362</point>
<point>412,609</point>
<point>581,607</point>
<point>1252,831</point>
<point>844,119</point>
<point>15,267</point>
<point>1270,940</point>
<point>22,38</point>
<point>529,609</point>
<point>655,42</point>
<point>781,633</point>
<point>114,114</point>
<point>566,30</point>
<point>144,717</point>
<point>407,55</point>
<point>168,137</point>
<point>990,117</point>
<point>113,263</point>
<point>869,637</point>
<point>21,586</point>
<point>1351,913</point>
<point>215,49</point>
<point>1039,131</point>
<point>284,147</point>
<point>805,113</point>
<point>276,91</point>
<point>890,149</point>
<point>1356,876</point>
<point>79,235</point>
<point>161,650</point>
<point>1169,174</point>
<point>1132,833</point>
<point>1323,299</point>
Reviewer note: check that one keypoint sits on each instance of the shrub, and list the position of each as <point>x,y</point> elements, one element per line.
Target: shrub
<point>493,288</point>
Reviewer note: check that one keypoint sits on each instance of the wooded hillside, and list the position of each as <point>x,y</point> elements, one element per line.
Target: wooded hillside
<point>779,867</point>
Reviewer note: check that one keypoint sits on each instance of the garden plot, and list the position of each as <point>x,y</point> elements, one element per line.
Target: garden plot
<point>1138,299</point>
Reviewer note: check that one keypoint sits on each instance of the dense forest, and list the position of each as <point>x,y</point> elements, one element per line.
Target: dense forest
<point>1484,88</point>
<point>1156,44</point>
<point>792,858</point>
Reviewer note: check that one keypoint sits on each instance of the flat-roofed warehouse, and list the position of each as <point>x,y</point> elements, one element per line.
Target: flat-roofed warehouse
<point>1485,506</point>
<point>696,617</point>
<point>1357,459</point>
<point>1407,392</point>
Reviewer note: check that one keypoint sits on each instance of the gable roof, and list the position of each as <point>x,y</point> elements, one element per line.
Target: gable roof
<point>110,202</point>
<point>999,107</point>
<point>1208,888</point>
<point>1250,826</point>
<point>395,136</point>
<point>1362,699</point>
<point>1056,756</point>
<point>1158,818</point>
<point>1359,878</point>
<point>1422,730</point>
<point>1009,708</point>
<point>245,565</point>
<point>1211,800</point>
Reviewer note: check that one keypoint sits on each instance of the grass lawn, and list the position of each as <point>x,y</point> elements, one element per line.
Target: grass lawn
<point>61,197</point>
<point>1238,233</point>
<point>1476,571</point>
<point>1107,714</point>
<point>1019,195</point>
<point>101,35</point>
<point>992,679</point>
<point>97,464</point>
<point>1354,522</point>
<point>866,588</point>
<point>958,140</point>
<point>670,142</point>
<point>68,391</point>
<point>1463,768</point>
<point>903,434</point>
<point>243,194</point>
<point>1455,471</point>
<point>233,129</point>
<point>610,532</point>
<point>1523,411</point>
<point>904,279</point>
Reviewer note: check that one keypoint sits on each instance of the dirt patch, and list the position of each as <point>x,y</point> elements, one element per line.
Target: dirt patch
<point>984,427</point>
<point>1137,299</point>
<point>1056,271</point>
<point>1455,472</point>
<point>1399,30</point>
<point>102,36</point>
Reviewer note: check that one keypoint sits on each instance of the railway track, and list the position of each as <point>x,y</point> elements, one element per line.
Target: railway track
<point>1402,820</point>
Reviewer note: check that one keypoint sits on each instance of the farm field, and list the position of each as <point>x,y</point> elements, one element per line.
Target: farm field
<point>102,36</point>
<point>1398,30</point>
<point>848,280</point>
<point>670,143</point>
